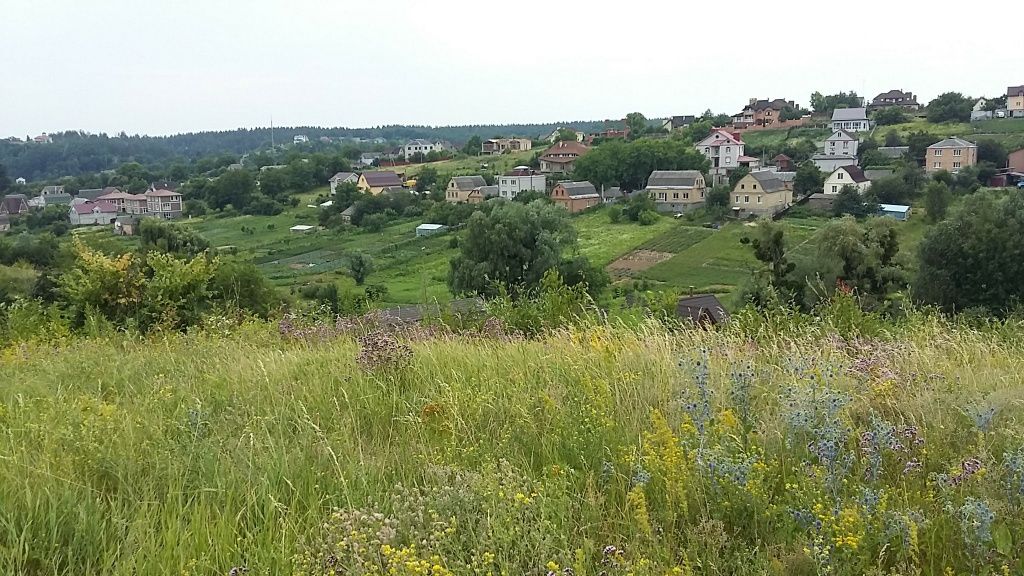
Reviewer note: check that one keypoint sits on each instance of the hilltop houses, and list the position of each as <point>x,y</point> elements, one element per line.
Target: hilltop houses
<point>1015,101</point>
<point>420,146</point>
<point>502,145</point>
<point>762,113</point>
<point>724,150</point>
<point>850,119</point>
<point>846,176</point>
<point>92,213</point>
<point>342,178</point>
<point>14,204</point>
<point>905,100</point>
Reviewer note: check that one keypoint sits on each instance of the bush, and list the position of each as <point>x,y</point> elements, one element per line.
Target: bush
<point>648,217</point>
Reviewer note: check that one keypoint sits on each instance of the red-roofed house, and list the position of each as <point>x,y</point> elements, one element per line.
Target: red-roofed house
<point>164,204</point>
<point>561,157</point>
<point>92,213</point>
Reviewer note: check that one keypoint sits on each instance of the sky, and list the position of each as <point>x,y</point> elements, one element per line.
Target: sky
<point>165,67</point>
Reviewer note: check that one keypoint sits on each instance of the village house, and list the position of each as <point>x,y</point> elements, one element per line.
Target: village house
<point>703,310</point>
<point>846,176</point>
<point>51,190</point>
<point>1015,101</point>
<point>829,163</point>
<point>481,193</point>
<point>521,179</point>
<point>92,213</point>
<point>905,100</point>
<point>14,204</point>
<point>950,155</point>
<point>346,214</point>
<point>502,145</point>
<point>368,158</point>
<point>430,229</point>
<point>676,191</point>
<point>87,195</point>
<point>460,187</point>
<point>561,157</point>
<point>760,193</point>
<point>420,146</point>
<point>121,201</point>
<point>51,199</point>
<point>609,134</point>
<point>575,196</point>
<point>612,195</point>
<point>21,182</point>
<point>783,163</point>
<point>342,178</point>
<point>850,119</point>
<point>678,123</point>
<point>761,113</point>
<point>163,203</point>
<point>555,133</point>
<point>840,143</point>
<point>724,149</point>
<point>376,182</point>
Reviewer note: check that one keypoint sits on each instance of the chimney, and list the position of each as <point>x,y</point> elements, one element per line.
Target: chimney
<point>753,101</point>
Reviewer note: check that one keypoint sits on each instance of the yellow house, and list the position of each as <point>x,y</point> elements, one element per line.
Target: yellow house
<point>460,188</point>
<point>760,193</point>
<point>376,182</point>
<point>1015,101</point>
<point>676,190</point>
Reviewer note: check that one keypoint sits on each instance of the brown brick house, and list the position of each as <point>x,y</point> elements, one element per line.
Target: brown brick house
<point>575,196</point>
<point>561,157</point>
<point>951,155</point>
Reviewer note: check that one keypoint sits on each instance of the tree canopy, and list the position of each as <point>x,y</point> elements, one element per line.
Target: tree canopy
<point>950,107</point>
<point>629,164</point>
<point>823,104</point>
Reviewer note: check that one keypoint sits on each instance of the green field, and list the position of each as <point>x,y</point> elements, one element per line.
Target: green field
<point>603,242</point>
<point>677,239</point>
<point>765,448</point>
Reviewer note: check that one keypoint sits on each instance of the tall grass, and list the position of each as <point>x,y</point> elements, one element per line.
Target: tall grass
<point>629,450</point>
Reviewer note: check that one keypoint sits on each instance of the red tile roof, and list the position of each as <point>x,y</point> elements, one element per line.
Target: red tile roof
<point>89,207</point>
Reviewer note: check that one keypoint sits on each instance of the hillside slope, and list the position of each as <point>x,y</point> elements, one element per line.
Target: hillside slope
<point>629,451</point>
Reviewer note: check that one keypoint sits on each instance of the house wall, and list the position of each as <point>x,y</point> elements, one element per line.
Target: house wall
<point>950,159</point>
<point>510,186</point>
<point>841,147</point>
<point>835,182</point>
<point>748,198</point>
<point>1017,160</point>
<point>830,164</point>
<point>573,205</point>
<point>557,167</point>
<point>851,125</point>
<point>677,199</point>
<point>90,219</point>
<point>1015,103</point>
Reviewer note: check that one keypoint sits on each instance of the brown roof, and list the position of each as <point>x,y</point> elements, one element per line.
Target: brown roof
<point>856,173</point>
<point>1015,90</point>
<point>769,181</point>
<point>382,179</point>
<point>777,104</point>
<point>564,148</point>
<point>782,158</point>
<point>14,204</point>
<point>161,193</point>
<point>88,207</point>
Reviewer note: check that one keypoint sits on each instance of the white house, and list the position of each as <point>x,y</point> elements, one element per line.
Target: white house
<point>723,149</point>
<point>841,143</point>
<point>302,229</point>
<point>850,119</point>
<point>430,229</point>
<point>300,139</point>
<point>91,213</point>
<point>420,146</point>
<point>520,179</point>
<point>342,178</point>
<point>846,176</point>
<point>20,181</point>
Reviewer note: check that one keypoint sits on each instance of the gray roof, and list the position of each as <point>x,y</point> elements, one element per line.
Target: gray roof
<point>894,151</point>
<point>833,157</point>
<point>702,309</point>
<point>349,211</point>
<point>785,176</point>
<point>844,114</point>
<point>47,190</point>
<point>90,193</point>
<point>613,192</point>
<point>342,176</point>
<point>673,178</point>
<point>953,142</point>
<point>576,189</point>
<point>58,199</point>
<point>878,174</point>
<point>768,180</point>
<point>840,136</point>
<point>488,191</point>
<point>468,183</point>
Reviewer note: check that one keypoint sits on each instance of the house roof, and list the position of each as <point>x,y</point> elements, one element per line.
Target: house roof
<point>894,208</point>
<point>419,142</point>
<point>578,189</point>
<point>696,307</point>
<point>487,191</point>
<point>716,138</point>
<point>90,207</point>
<point>172,186</point>
<point>349,211</point>
<point>613,192</point>
<point>47,190</point>
<point>381,179</point>
<point>844,114</point>
<point>467,183</point>
<point>90,193</point>
<point>521,171</point>
<point>785,176</point>
<point>563,148</point>
<point>768,180</point>
<point>894,151</point>
<point>782,158</point>
<point>59,198</point>
<point>1015,90</point>
<point>430,226</point>
<point>15,203</point>
<point>895,95</point>
<point>856,173</point>
<point>953,142</point>
<point>833,157</point>
<point>161,193</point>
<point>116,195</point>
<point>879,173</point>
<point>392,189</point>
<point>777,104</point>
<point>840,136</point>
<point>673,178</point>
<point>342,176</point>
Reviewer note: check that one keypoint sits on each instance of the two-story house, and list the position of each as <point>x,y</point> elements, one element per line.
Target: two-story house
<point>760,193</point>
<point>502,145</point>
<point>846,176</point>
<point>342,178</point>
<point>676,191</point>
<point>1015,101</point>
<point>951,155</point>
<point>575,196</point>
<point>420,146</point>
<point>520,179</point>
<point>375,182</point>
<point>162,203</point>
<point>762,113</point>
<point>561,157</point>
<point>724,150</point>
<point>850,119</point>
<point>905,100</point>
<point>92,213</point>
<point>678,123</point>
<point>460,187</point>
<point>841,143</point>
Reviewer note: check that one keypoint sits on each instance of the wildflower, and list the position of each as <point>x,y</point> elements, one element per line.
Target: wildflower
<point>382,350</point>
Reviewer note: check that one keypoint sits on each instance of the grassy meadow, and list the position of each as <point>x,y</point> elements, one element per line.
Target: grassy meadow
<point>778,448</point>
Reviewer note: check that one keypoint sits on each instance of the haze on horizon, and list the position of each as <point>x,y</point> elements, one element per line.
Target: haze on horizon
<point>195,65</point>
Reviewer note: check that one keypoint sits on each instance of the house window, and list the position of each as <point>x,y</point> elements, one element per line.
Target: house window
<point>835,189</point>
<point>675,195</point>
<point>661,196</point>
<point>686,195</point>
<point>728,148</point>
<point>758,198</point>
<point>743,186</point>
<point>701,193</point>
<point>956,164</point>
<point>957,152</point>
<point>737,199</point>
<point>938,152</point>
<point>746,199</point>
<point>937,165</point>
<point>707,150</point>
<point>840,176</point>
<point>754,186</point>
<point>728,159</point>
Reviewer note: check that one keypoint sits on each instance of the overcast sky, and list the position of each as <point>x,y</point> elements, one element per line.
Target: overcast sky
<point>164,67</point>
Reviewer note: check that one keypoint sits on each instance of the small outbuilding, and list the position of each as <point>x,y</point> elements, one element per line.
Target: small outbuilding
<point>703,310</point>
<point>897,211</point>
<point>302,229</point>
<point>430,229</point>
